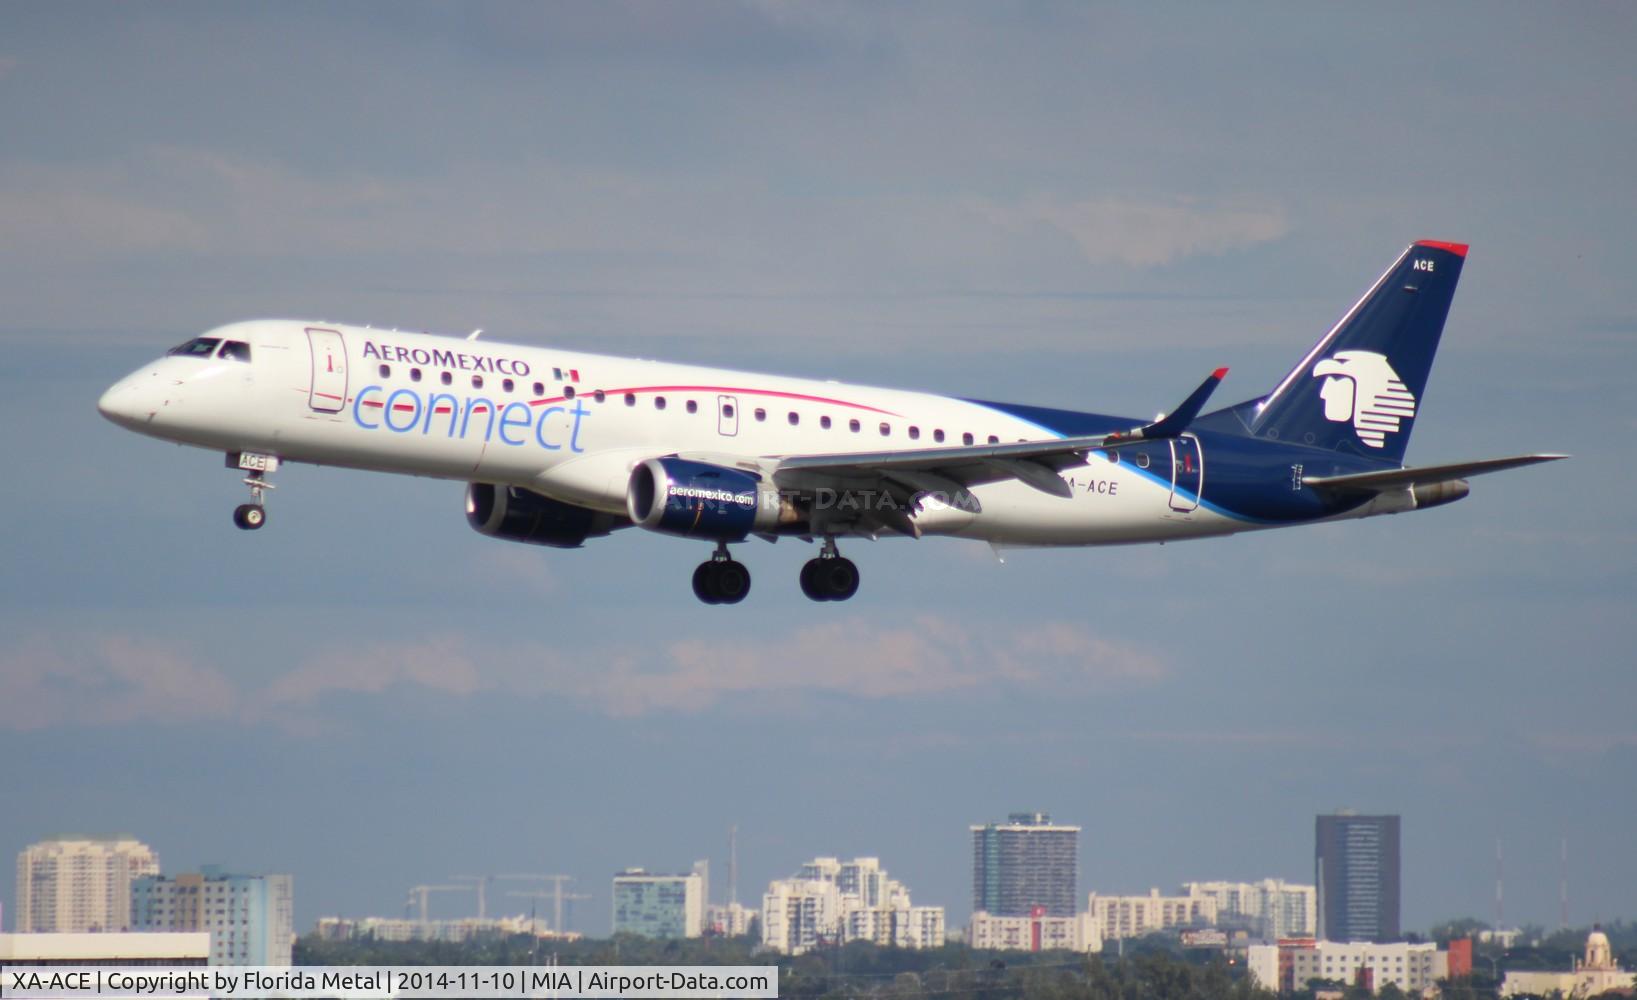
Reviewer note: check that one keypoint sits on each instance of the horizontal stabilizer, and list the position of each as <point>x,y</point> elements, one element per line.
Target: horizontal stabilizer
<point>1397,479</point>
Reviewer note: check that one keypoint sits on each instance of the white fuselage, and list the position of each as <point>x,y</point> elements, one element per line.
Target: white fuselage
<point>572,426</point>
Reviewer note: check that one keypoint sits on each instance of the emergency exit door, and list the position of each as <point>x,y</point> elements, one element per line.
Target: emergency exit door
<point>328,392</point>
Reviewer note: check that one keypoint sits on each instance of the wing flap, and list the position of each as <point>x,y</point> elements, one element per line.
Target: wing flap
<point>1036,463</point>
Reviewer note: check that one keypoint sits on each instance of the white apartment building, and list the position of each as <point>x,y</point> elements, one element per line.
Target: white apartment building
<point>1133,916</point>
<point>73,884</point>
<point>1270,909</point>
<point>834,901</point>
<point>1035,933</point>
<point>1410,967</point>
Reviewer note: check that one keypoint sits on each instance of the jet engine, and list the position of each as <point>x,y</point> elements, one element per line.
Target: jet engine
<point>520,515</point>
<point>678,496</point>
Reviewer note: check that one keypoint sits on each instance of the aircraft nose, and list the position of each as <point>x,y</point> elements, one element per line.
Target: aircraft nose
<point>125,401</point>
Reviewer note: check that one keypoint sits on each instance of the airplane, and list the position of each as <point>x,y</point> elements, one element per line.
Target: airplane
<point>559,447</point>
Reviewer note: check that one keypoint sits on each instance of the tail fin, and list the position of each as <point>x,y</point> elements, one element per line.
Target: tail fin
<point>1359,388</point>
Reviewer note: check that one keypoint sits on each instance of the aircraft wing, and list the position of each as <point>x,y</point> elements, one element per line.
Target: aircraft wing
<point>905,472</point>
<point>1397,479</point>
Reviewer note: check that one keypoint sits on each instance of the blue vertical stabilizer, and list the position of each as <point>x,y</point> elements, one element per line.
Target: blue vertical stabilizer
<point>1359,389</point>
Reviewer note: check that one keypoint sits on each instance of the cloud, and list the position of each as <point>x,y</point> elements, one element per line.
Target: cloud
<point>1145,232</point>
<point>113,680</point>
<point>122,679</point>
<point>852,658</point>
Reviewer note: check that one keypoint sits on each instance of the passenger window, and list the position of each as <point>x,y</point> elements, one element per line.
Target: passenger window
<point>966,438</point>
<point>914,433</point>
<point>853,426</point>
<point>386,371</point>
<point>824,422</point>
<point>727,410</point>
<point>886,429</point>
<point>477,381</point>
<point>414,374</point>
<point>795,418</point>
<point>630,399</point>
<point>508,385</point>
<point>568,392</point>
<point>446,378</point>
<point>993,439</point>
<point>599,395</point>
<point>693,406</point>
<point>938,435</point>
<point>235,350</point>
<point>539,388</point>
<point>761,414</point>
<point>659,402</point>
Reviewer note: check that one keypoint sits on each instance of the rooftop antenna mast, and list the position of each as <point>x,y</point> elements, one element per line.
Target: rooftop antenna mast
<point>733,865</point>
<point>1500,882</point>
<point>1563,886</point>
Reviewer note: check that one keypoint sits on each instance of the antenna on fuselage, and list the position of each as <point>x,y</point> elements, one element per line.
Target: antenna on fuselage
<point>474,334</point>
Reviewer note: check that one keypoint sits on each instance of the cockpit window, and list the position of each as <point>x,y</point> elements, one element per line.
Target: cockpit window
<point>198,347</point>
<point>235,350</point>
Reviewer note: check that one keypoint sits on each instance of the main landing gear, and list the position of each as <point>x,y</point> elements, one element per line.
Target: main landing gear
<point>830,577</point>
<point>720,579</point>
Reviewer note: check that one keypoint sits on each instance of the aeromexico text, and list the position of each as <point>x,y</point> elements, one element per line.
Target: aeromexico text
<point>446,359</point>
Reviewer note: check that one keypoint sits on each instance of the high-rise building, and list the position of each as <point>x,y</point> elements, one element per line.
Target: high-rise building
<point>250,917</point>
<point>1025,863</point>
<point>1356,865</point>
<point>1270,909</point>
<point>74,884</point>
<point>659,906</point>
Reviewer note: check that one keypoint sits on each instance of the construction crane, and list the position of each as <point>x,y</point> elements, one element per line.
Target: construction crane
<point>557,896</point>
<point>425,890</point>
<point>481,883</point>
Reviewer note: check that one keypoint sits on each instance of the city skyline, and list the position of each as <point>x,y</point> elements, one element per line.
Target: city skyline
<point>1056,204</point>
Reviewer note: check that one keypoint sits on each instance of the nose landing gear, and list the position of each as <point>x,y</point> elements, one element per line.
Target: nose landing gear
<point>252,515</point>
<point>830,577</point>
<point>720,579</point>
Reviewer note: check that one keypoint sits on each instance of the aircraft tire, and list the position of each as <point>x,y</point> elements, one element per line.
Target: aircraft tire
<point>839,578</point>
<point>704,583</point>
<point>732,582</point>
<point>809,580</point>
<point>249,516</point>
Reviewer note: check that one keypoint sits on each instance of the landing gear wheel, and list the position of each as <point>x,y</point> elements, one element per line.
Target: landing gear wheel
<point>249,516</point>
<point>721,581</point>
<point>833,579</point>
<point>809,572</point>
<point>732,582</point>
<point>704,579</point>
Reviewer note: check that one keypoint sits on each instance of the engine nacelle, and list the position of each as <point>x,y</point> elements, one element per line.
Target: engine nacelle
<point>698,500</point>
<point>520,515</point>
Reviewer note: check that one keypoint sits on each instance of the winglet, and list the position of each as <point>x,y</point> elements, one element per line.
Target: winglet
<point>1174,423</point>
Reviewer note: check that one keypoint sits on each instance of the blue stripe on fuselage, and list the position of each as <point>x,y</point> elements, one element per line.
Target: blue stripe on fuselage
<point>1245,474</point>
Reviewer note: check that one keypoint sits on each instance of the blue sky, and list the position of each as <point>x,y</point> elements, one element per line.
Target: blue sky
<point>1078,206</point>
